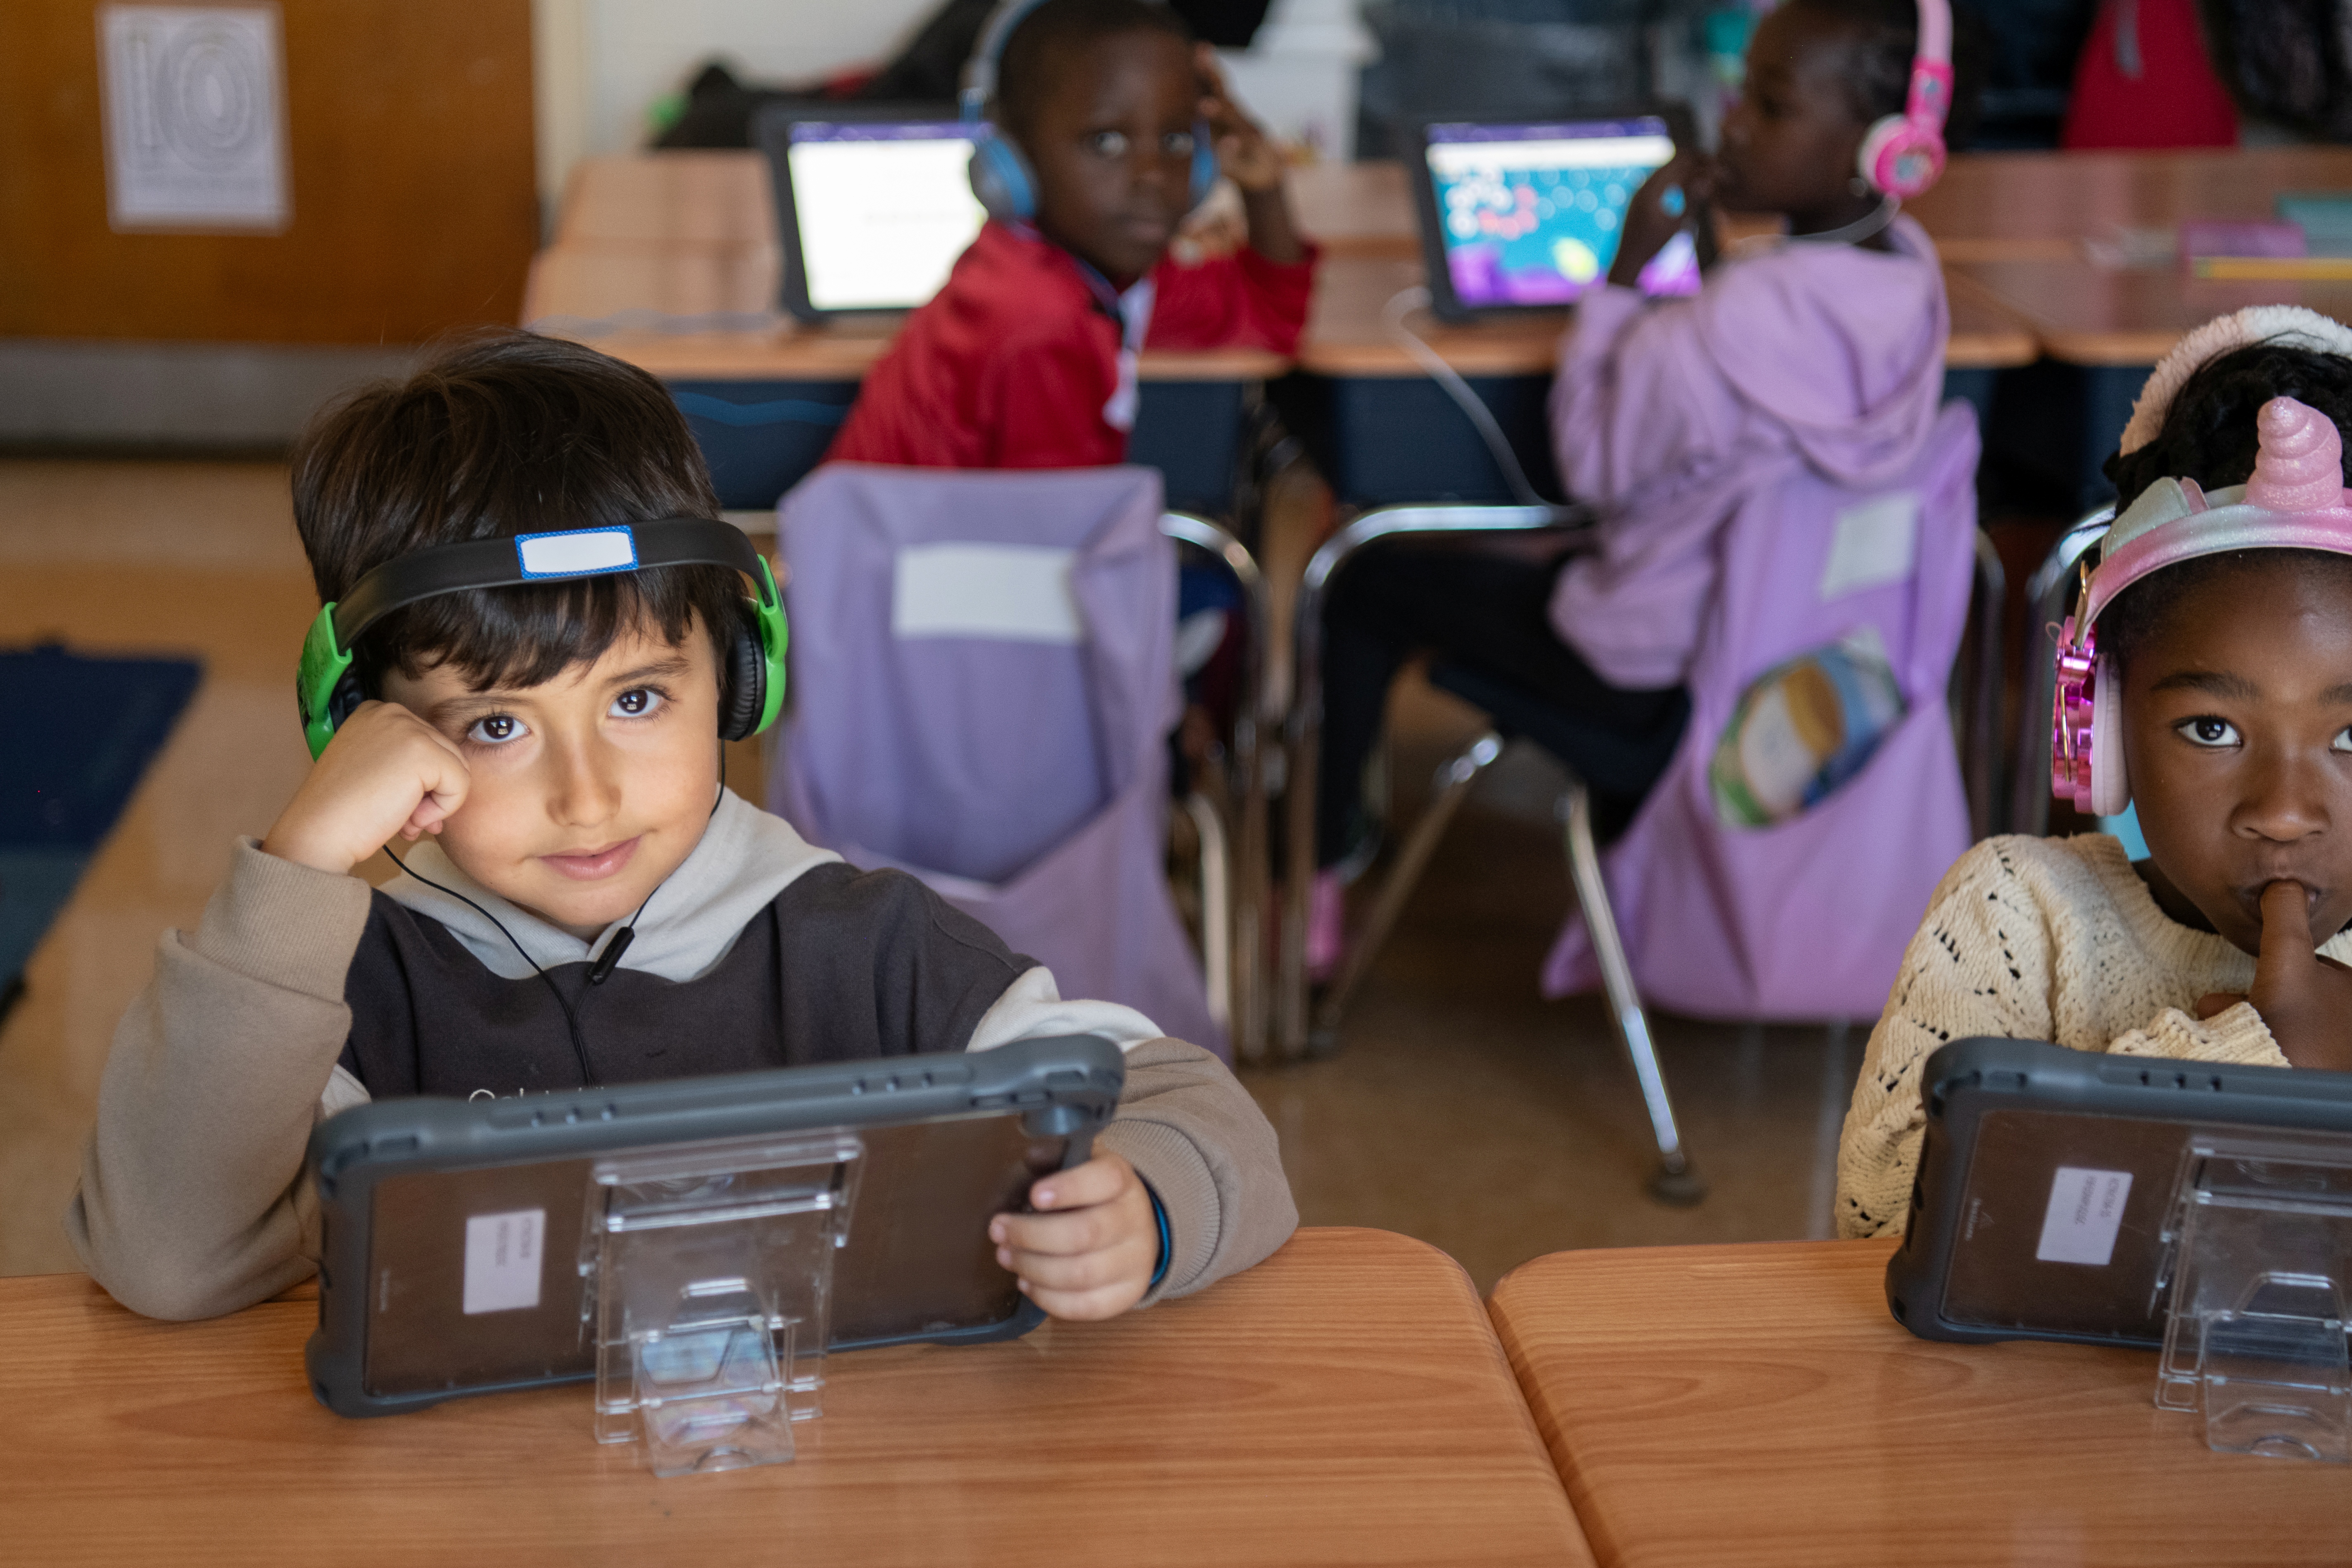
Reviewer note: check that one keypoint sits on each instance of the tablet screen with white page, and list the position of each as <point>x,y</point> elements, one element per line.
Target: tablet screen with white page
<point>875,211</point>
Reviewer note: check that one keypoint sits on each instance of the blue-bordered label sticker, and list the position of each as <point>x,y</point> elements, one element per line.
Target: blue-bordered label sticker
<point>584,553</point>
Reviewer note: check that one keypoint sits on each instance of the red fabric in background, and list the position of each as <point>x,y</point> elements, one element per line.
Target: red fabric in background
<point>2175,101</point>
<point>1010,364</point>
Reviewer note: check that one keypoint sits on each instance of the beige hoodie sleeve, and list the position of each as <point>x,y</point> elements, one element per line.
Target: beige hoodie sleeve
<point>1190,1129</point>
<point>191,1201</point>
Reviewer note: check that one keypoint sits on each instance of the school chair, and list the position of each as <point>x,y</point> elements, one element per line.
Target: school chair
<point>1723,921</point>
<point>2048,596</point>
<point>983,686</point>
<point>1675,1180</point>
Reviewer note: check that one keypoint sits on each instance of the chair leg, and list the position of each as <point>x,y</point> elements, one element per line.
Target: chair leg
<point>1454,781</point>
<point>1675,1181</point>
<point>1216,907</point>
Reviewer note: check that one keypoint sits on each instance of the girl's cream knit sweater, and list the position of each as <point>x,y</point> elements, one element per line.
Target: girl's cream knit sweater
<point>2036,939</point>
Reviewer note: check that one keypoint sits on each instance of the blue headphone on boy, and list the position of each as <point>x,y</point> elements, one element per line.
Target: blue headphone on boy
<point>1002,175</point>
<point>751,686</point>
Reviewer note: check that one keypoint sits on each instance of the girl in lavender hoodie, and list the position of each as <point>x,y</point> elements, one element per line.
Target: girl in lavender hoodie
<point>1823,349</point>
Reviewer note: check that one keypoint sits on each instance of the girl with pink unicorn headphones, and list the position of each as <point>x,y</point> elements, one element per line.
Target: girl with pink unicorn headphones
<point>2205,677</point>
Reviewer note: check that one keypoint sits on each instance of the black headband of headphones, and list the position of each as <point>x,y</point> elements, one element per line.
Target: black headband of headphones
<point>507,561</point>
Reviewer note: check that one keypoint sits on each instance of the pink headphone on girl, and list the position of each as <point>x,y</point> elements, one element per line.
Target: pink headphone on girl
<point>2296,501</point>
<point>1902,154</point>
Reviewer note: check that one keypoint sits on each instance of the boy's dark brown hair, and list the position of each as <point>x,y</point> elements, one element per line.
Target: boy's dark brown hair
<point>1037,54</point>
<point>497,433</point>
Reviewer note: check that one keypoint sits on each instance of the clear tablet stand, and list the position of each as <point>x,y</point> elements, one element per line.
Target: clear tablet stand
<point>710,1284</point>
<point>2260,1258</point>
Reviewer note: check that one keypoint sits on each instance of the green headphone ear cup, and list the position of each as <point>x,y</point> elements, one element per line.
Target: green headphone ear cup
<point>774,634</point>
<point>325,690</point>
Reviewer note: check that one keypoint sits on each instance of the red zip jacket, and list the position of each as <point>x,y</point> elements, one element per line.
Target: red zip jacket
<point>1013,362</point>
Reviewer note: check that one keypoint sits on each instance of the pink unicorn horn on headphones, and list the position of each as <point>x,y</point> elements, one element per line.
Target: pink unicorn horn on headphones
<point>2294,500</point>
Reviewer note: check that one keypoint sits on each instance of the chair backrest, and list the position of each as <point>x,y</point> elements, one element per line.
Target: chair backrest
<point>983,684</point>
<point>1808,917</point>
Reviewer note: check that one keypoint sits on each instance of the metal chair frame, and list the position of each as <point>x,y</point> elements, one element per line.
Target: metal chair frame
<point>1675,1180</point>
<point>2049,593</point>
<point>1235,882</point>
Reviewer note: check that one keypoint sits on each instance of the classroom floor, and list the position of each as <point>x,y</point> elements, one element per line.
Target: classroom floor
<point>1463,1110</point>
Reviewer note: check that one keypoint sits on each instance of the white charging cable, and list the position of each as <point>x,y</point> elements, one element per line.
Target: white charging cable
<point>1393,315</point>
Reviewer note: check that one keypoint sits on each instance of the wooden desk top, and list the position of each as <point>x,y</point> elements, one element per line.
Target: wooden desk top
<point>1755,1404</point>
<point>1345,1402</point>
<point>1356,209</point>
<point>2024,206</point>
<point>1345,337</point>
<point>2092,315</point>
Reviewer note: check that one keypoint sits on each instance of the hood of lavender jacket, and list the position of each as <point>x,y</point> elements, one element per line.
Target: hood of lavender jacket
<point>1669,415</point>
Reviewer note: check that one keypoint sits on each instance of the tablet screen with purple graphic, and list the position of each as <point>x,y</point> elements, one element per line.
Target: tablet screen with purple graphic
<point>1530,213</point>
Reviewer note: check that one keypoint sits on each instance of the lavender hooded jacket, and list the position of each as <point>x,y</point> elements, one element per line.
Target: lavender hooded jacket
<point>1668,414</point>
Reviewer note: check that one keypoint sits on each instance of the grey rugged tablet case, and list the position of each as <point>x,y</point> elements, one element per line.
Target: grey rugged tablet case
<point>949,1141</point>
<point>2011,1124</point>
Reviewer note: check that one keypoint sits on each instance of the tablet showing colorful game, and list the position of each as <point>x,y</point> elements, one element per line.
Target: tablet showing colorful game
<point>1529,214</point>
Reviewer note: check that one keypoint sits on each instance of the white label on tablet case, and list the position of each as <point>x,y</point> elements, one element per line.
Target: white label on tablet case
<point>2087,1209</point>
<point>502,1259</point>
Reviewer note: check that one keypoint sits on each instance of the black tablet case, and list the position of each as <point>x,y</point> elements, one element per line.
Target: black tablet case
<point>2003,1117</point>
<point>950,1140</point>
<point>1444,303</point>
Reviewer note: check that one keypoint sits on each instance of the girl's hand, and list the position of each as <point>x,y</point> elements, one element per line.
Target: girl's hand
<point>1653,216</point>
<point>387,772</point>
<point>1244,155</point>
<point>2305,1000</point>
<point>1090,1249</point>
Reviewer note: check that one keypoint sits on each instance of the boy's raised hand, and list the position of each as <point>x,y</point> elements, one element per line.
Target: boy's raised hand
<point>1092,1247</point>
<point>2305,1000</point>
<point>1244,151</point>
<point>387,772</point>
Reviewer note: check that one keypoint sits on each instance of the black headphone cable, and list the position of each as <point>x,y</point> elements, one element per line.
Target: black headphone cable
<point>571,1018</point>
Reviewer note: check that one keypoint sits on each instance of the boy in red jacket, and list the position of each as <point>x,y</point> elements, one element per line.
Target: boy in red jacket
<point>1026,358</point>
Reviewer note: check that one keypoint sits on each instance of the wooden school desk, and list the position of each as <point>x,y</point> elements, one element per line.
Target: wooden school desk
<point>2028,206</point>
<point>1755,1404</point>
<point>1344,1402</point>
<point>672,261</point>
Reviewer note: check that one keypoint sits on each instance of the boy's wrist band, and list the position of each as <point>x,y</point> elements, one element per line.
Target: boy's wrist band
<point>1167,1246</point>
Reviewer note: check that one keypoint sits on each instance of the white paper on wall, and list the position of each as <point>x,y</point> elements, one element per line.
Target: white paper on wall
<point>195,119</point>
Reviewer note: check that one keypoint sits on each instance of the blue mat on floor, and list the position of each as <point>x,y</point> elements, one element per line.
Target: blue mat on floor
<point>75,736</point>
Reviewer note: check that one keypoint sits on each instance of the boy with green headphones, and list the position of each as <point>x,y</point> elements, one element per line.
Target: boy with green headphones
<point>536,635</point>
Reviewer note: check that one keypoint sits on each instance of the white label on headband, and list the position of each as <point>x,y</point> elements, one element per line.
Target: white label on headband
<point>1004,593</point>
<point>580,554</point>
<point>1874,543</point>
<point>2087,1209</point>
<point>502,1261</point>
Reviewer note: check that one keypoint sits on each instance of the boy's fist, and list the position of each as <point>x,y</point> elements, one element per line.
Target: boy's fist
<point>1244,155</point>
<point>387,772</point>
<point>1092,1247</point>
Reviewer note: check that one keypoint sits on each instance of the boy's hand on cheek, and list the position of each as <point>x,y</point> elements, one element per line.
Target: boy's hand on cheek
<point>1093,1245</point>
<point>2304,999</point>
<point>386,773</point>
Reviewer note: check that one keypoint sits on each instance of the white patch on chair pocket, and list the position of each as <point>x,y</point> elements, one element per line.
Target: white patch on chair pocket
<point>1004,593</point>
<point>1875,542</point>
